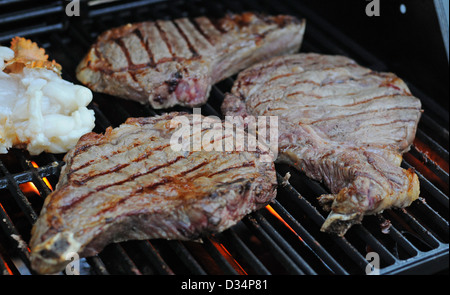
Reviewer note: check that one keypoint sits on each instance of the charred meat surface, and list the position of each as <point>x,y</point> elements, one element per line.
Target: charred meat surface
<point>340,123</point>
<point>129,183</point>
<point>175,62</point>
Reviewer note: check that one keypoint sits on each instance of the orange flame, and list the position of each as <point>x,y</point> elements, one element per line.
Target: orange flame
<point>421,166</point>
<point>30,187</point>
<point>6,267</point>
<point>432,155</point>
<point>274,213</point>
<point>45,178</point>
<point>225,253</point>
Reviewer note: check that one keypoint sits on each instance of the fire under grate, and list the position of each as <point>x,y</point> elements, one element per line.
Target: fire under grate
<point>284,237</point>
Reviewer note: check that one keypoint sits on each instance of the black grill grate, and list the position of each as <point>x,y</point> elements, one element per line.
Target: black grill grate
<point>281,239</point>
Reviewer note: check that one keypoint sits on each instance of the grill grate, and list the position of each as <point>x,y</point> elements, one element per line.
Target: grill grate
<point>283,238</point>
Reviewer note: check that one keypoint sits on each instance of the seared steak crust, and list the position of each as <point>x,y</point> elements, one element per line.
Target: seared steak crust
<point>175,62</point>
<point>130,184</point>
<point>340,123</point>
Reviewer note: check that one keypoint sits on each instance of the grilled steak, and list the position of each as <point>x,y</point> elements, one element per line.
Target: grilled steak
<point>131,184</point>
<point>167,63</point>
<point>340,123</point>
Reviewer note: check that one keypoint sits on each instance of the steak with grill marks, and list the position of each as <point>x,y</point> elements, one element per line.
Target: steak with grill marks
<point>175,62</point>
<point>340,123</point>
<point>130,184</point>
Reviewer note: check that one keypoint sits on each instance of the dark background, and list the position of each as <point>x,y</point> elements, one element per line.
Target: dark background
<point>410,44</point>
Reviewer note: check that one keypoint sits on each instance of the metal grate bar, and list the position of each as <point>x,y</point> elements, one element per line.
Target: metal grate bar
<point>22,177</point>
<point>44,17</point>
<point>427,185</point>
<point>28,14</point>
<point>437,220</point>
<point>189,261</point>
<point>31,31</point>
<point>4,268</point>
<point>14,237</point>
<point>433,112</point>
<point>245,252</point>
<point>436,147</point>
<point>429,163</point>
<point>400,239</point>
<point>434,259</point>
<point>364,234</point>
<point>7,266</point>
<point>19,197</point>
<point>121,7</point>
<point>374,244</point>
<point>318,219</point>
<point>419,229</point>
<point>309,239</point>
<point>97,265</point>
<point>306,206</point>
<point>38,181</point>
<point>219,257</point>
<point>279,254</point>
<point>283,244</point>
<point>117,260</point>
<point>155,257</point>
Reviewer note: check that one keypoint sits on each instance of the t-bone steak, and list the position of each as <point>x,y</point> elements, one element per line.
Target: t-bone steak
<point>340,123</point>
<point>129,183</point>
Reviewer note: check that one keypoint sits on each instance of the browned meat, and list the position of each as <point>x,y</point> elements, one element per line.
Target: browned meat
<point>130,184</point>
<point>340,123</point>
<point>167,63</point>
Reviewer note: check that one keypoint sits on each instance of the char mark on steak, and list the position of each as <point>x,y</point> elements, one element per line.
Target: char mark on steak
<point>340,123</point>
<point>175,62</point>
<point>129,183</point>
